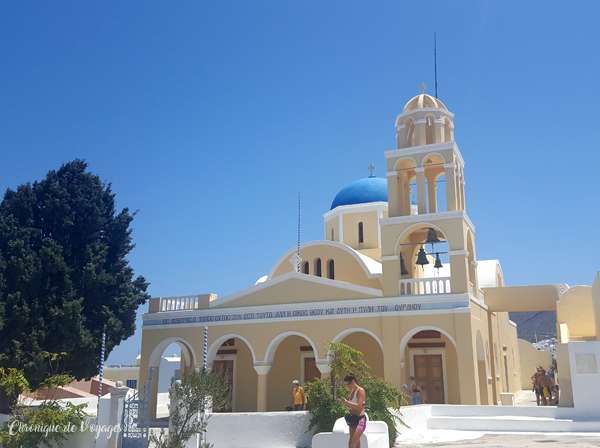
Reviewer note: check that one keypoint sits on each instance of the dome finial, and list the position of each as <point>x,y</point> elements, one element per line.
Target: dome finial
<point>422,88</point>
<point>371,167</point>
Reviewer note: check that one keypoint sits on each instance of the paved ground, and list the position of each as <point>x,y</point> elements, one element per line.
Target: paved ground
<point>522,440</point>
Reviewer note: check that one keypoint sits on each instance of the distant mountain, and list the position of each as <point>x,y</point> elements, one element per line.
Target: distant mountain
<point>530,324</point>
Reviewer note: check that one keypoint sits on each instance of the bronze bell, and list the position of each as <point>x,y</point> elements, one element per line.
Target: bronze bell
<point>438,262</point>
<point>403,270</point>
<point>422,257</point>
<point>432,237</point>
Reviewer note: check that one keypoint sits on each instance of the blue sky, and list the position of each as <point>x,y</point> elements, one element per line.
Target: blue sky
<point>210,117</point>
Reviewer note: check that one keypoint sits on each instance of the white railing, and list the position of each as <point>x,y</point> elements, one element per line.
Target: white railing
<point>178,303</point>
<point>419,286</point>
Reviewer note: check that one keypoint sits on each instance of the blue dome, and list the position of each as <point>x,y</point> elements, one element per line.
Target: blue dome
<point>371,189</point>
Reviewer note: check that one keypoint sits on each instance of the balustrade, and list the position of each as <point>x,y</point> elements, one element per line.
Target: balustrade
<point>420,286</point>
<point>178,303</point>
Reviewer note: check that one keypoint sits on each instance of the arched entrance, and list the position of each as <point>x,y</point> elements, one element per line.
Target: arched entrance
<point>366,342</point>
<point>429,354</point>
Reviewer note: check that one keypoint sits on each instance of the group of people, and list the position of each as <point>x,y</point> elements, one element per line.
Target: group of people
<point>546,391</point>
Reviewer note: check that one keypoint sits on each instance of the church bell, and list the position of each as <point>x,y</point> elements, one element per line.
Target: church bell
<point>438,262</point>
<point>432,237</point>
<point>403,270</point>
<point>422,257</point>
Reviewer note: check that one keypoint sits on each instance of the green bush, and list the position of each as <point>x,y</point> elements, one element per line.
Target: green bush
<point>322,394</point>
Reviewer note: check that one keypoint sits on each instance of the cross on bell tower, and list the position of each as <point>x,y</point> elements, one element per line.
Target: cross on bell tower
<point>422,88</point>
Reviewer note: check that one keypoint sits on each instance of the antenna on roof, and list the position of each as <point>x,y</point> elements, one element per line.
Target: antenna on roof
<point>435,60</point>
<point>298,266</point>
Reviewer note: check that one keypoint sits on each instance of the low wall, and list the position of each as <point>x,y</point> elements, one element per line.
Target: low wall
<point>584,360</point>
<point>530,358</point>
<point>265,430</point>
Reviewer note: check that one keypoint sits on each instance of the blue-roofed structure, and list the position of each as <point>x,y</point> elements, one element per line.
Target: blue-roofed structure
<point>362,191</point>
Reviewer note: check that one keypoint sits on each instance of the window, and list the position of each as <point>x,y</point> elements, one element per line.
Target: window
<point>360,233</point>
<point>318,274</point>
<point>331,270</point>
<point>305,267</point>
<point>131,383</point>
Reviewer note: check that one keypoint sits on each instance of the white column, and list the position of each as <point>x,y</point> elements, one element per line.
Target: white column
<point>117,398</point>
<point>421,193</point>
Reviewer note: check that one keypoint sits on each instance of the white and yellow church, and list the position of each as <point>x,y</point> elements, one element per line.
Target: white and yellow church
<point>396,277</point>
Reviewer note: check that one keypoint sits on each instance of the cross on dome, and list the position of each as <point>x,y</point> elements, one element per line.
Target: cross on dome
<point>371,167</point>
<point>422,88</point>
<point>295,260</point>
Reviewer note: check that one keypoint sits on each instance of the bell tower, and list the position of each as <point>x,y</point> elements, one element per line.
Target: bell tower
<point>428,249</point>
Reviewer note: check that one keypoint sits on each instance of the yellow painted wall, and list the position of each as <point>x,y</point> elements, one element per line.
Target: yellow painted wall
<point>576,309</point>
<point>370,229</point>
<point>286,368</point>
<point>333,224</point>
<point>530,358</point>
<point>347,268</point>
<point>371,350</point>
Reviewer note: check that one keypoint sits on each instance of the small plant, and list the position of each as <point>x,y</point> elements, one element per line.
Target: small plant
<point>49,424</point>
<point>197,393</point>
<point>323,394</point>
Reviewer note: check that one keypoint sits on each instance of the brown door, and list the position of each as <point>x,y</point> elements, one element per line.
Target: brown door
<point>311,372</point>
<point>227,367</point>
<point>429,374</point>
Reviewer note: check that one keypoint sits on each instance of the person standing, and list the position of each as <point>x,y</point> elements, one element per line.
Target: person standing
<point>357,420</point>
<point>416,391</point>
<point>298,397</point>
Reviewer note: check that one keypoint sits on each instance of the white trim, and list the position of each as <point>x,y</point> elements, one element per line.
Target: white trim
<point>432,154</point>
<point>356,208</point>
<point>365,264</point>
<point>450,165</point>
<point>391,173</point>
<point>303,356</point>
<point>410,112</point>
<point>419,121</point>
<point>272,348</point>
<point>389,257</point>
<point>411,357</point>
<point>234,359</point>
<point>214,347</point>
<point>340,336</point>
<point>459,252</point>
<point>404,158</point>
<point>262,369</point>
<point>419,169</point>
<point>439,216</point>
<point>443,304</point>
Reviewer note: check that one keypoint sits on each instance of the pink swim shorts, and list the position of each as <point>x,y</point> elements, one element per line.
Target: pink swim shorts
<point>362,424</point>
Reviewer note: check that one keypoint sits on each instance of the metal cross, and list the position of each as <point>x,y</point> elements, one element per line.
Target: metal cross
<point>422,88</point>
<point>295,260</point>
<point>371,167</point>
<point>151,369</point>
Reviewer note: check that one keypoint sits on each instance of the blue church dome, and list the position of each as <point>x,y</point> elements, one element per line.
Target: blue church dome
<point>370,189</point>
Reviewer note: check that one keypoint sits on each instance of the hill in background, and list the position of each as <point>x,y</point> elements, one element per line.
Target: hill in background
<point>535,323</point>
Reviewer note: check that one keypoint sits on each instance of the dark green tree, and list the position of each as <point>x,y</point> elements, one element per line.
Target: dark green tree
<point>64,276</point>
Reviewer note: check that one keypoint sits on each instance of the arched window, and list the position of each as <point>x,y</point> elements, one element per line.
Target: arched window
<point>410,132</point>
<point>305,270</point>
<point>318,273</point>
<point>331,270</point>
<point>429,130</point>
<point>360,233</point>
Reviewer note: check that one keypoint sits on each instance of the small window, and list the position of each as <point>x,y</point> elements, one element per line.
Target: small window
<point>132,383</point>
<point>318,267</point>
<point>360,233</point>
<point>331,270</point>
<point>305,267</point>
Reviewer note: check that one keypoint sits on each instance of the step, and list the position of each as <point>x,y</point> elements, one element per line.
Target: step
<point>512,424</point>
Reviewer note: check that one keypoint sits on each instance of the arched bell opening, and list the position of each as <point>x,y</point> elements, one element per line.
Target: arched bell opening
<point>435,178</point>
<point>405,172</point>
<point>424,261</point>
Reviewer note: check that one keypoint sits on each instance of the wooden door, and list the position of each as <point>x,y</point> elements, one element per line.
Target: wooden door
<point>429,374</point>
<point>311,372</point>
<point>227,367</point>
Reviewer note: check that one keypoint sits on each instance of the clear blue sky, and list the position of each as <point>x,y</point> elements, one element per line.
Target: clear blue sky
<point>210,117</point>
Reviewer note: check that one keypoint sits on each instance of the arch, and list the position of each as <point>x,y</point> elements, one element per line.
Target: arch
<point>404,163</point>
<point>432,156</point>
<point>410,132</point>
<point>415,330</point>
<point>272,348</point>
<point>410,230</point>
<point>214,347</point>
<point>340,336</point>
<point>306,267</point>
<point>318,267</point>
<point>187,352</point>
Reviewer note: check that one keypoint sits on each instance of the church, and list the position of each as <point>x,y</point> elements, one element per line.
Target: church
<point>396,276</point>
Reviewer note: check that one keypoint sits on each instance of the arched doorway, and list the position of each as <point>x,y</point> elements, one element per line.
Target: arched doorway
<point>366,342</point>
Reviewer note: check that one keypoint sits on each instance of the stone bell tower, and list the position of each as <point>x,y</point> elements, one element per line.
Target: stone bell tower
<point>427,160</point>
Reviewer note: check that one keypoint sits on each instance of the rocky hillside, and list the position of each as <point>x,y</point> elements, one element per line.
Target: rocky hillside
<point>530,324</point>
